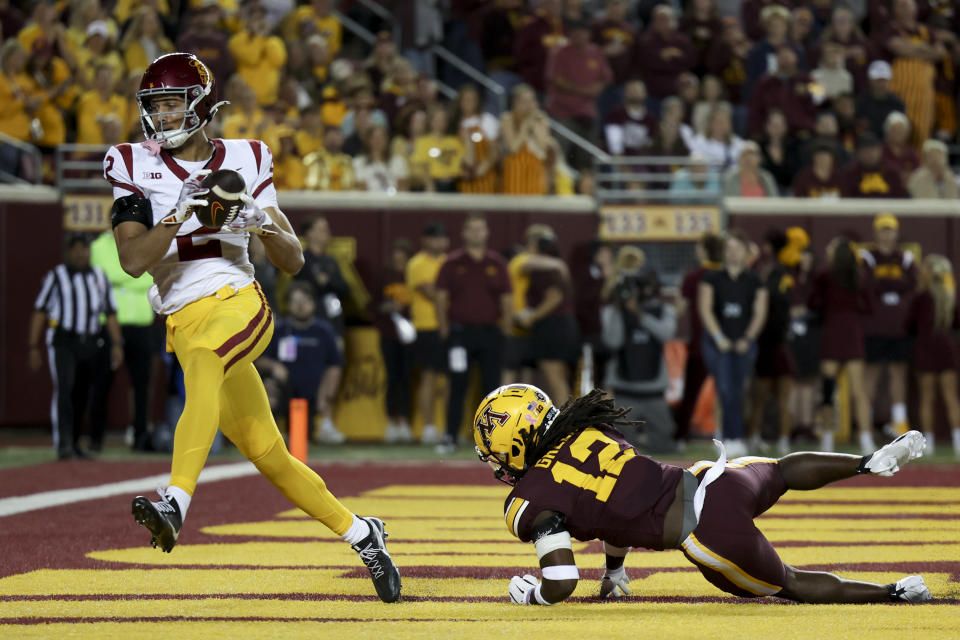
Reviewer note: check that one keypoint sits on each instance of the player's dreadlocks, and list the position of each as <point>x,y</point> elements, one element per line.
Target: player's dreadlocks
<point>595,408</point>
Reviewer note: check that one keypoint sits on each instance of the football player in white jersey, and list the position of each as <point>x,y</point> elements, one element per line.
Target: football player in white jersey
<point>218,320</point>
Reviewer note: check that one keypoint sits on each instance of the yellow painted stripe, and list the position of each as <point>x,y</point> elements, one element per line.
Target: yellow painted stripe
<point>321,554</point>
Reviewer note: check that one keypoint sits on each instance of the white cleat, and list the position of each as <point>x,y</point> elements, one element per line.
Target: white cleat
<point>735,448</point>
<point>783,446</point>
<point>890,457</point>
<point>910,589</point>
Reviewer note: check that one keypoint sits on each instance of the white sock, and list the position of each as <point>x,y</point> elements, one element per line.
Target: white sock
<point>182,498</point>
<point>898,413</point>
<point>327,425</point>
<point>358,530</point>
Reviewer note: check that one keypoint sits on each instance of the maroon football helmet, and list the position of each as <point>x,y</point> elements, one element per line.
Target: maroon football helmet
<point>183,75</point>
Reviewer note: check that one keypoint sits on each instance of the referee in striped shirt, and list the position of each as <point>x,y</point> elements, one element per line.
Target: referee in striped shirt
<point>67,319</point>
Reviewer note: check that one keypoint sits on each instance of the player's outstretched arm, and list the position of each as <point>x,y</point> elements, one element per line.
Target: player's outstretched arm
<point>283,247</point>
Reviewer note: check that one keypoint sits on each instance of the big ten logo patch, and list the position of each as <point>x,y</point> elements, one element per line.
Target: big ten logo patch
<point>152,175</point>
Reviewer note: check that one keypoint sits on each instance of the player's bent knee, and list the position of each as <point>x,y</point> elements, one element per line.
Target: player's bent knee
<point>275,460</point>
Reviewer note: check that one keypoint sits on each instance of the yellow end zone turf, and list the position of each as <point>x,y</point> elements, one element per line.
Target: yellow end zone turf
<point>280,585</point>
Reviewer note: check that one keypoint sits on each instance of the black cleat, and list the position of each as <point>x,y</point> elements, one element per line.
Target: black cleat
<point>373,552</point>
<point>162,519</point>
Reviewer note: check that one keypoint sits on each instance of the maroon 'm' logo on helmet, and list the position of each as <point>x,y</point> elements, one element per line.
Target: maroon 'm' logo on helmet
<point>490,418</point>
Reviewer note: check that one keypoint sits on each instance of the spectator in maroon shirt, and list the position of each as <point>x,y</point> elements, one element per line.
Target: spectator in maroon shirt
<point>866,177</point>
<point>709,256</point>
<point>204,40</point>
<point>497,35</point>
<point>616,37</point>
<point>629,128</point>
<point>820,179</point>
<point>787,90</point>
<point>663,53</point>
<point>727,59</point>
<point>897,152</point>
<point>535,40</point>
<point>474,311</point>
<point>576,75</point>
<point>826,131</point>
<point>701,24</point>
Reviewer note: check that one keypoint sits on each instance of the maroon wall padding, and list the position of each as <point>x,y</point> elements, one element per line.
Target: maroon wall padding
<point>31,241</point>
<point>30,244</point>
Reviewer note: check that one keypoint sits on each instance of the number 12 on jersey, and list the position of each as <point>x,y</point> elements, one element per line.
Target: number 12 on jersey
<point>611,459</point>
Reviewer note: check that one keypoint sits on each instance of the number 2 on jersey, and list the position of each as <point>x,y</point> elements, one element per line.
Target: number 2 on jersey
<point>610,458</point>
<point>187,250</point>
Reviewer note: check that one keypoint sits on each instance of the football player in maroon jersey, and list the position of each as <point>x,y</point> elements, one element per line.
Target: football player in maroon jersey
<point>575,476</point>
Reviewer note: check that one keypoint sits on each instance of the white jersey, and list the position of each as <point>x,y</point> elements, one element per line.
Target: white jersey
<point>200,261</point>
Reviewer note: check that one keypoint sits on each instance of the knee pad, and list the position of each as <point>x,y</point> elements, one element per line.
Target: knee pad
<point>827,388</point>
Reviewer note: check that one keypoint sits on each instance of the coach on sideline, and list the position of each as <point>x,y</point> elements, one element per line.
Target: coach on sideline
<point>73,298</point>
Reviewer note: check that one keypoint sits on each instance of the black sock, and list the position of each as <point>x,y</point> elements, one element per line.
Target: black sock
<point>614,562</point>
<point>863,464</point>
<point>827,388</point>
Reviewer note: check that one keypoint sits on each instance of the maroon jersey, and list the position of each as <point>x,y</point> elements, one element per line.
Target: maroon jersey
<point>543,279</point>
<point>474,286</point>
<point>858,181</point>
<point>603,487</point>
<point>934,350</point>
<point>691,283</point>
<point>894,279</point>
<point>629,131</point>
<point>808,184</point>
<point>841,337</point>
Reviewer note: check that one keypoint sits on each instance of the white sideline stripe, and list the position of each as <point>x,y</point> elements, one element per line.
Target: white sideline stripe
<point>46,499</point>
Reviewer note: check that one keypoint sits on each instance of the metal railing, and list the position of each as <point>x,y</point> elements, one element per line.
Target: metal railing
<point>629,179</point>
<point>80,168</point>
<point>31,162</point>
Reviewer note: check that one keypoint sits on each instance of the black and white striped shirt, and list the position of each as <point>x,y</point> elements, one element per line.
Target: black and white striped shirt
<point>75,300</point>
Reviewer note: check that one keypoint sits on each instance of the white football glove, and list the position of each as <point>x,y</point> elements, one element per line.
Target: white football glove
<point>189,198</point>
<point>251,219</point>
<point>521,589</point>
<point>614,583</point>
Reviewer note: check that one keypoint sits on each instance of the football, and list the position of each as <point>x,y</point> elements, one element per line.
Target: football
<point>223,198</point>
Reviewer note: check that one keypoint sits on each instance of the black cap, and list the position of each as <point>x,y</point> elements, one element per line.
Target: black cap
<point>867,141</point>
<point>77,237</point>
<point>434,230</point>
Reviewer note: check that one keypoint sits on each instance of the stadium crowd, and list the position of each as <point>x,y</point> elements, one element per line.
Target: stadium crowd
<point>801,97</point>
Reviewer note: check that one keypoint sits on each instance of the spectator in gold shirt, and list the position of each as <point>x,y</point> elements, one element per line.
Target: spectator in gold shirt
<point>143,42</point>
<point>329,169</point>
<point>48,78</point>
<point>97,50</point>
<point>98,105</point>
<point>309,137</point>
<point>289,169</point>
<point>259,56</point>
<point>319,14</point>
<point>15,106</point>
<point>439,152</point>
<point>246,119</point>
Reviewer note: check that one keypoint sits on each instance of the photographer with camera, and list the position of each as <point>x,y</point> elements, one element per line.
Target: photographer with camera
<point>635,326</point>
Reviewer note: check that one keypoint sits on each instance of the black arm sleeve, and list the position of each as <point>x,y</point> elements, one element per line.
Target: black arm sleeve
<point>549,526</point>
<point>132,208</point>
